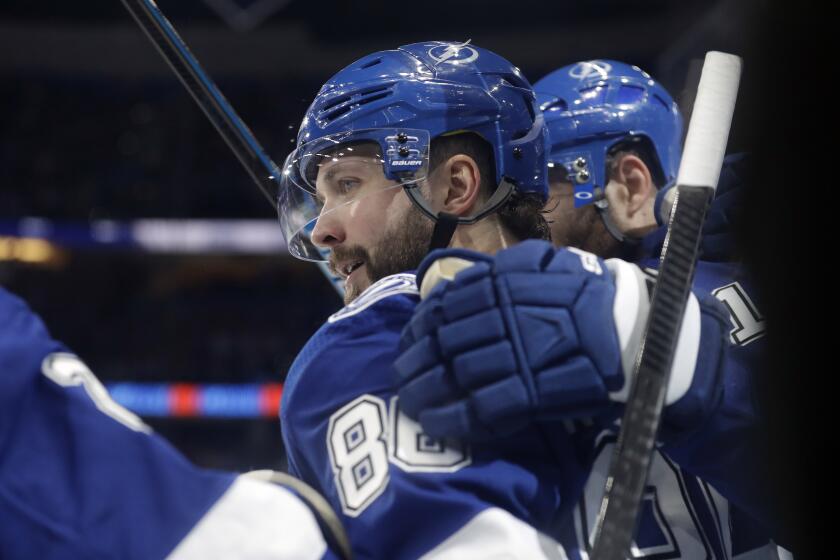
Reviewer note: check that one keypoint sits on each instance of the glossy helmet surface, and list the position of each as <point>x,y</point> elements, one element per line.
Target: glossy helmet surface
<point>592,106</point>
<point>401,100</point>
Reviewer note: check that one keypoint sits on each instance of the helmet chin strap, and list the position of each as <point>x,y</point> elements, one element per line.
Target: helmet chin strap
<point>445,223</point>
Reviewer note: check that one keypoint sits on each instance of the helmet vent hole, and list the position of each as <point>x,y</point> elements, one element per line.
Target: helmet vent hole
<point>375,90</point>
<point>347,103</point>
<point>335,102</point>
<point>663,102</point>
<point>558,105</point>
<point>337,113</point>
<point>513,80</point>
<point>594,95</point>
<point>628,95</point>
<point>370,63</point>
<point>372,98</point>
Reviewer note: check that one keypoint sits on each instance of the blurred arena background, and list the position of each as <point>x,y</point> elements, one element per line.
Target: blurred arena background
<point>129,226</point>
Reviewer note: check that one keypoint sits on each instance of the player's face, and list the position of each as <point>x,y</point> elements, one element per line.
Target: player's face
<point>579,227</point>
<point>370,227</point>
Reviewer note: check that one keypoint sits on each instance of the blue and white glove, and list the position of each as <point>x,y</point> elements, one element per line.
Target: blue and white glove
<point>537,333</point>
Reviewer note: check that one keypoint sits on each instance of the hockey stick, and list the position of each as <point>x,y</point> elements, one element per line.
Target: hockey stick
<point>705,146</point>
<point>264,172</point>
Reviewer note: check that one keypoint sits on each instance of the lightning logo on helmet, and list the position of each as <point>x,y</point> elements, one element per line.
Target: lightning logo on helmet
<point>590,69</point>
<point>451,54</point>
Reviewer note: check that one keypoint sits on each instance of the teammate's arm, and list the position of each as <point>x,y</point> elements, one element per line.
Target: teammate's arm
<point>83,477</point>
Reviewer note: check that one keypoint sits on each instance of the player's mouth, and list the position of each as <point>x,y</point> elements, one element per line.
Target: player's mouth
<point>349,268</point>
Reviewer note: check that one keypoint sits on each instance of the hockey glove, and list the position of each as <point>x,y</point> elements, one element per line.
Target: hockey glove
<point>532,334</point>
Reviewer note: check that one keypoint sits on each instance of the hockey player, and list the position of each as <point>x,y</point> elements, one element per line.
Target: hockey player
<point>614,155</point>
<point>615,148</point>
<point>81,477</point>
<point>427,146</point>
<point>615,138</point>
<point>615,145</point>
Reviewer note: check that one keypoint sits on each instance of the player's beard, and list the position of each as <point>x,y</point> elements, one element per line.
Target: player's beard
<point>401,248</point>
<point>583,228</point>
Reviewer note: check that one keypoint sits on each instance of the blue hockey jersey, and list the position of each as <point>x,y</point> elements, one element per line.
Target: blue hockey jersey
<point>401,493</point>
<point>81,477</point>
<point>405,495</point>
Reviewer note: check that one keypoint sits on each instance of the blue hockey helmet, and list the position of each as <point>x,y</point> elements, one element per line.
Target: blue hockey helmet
<point>591,107</point>
<point>383,111</point>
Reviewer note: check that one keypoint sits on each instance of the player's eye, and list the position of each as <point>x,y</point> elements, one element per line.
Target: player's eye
<point>346,185</point>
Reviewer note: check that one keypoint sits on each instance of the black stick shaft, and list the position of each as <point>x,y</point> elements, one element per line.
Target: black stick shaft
<point>238,137</point>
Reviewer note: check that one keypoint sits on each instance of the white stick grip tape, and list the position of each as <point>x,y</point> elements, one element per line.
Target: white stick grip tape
<point>711,118</point>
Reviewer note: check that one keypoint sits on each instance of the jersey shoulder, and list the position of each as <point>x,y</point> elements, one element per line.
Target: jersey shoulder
<point>372,320</point>
<point>362,337</point>
<point>396,292</point>
<point>21,328</point>
<point>24,343</point>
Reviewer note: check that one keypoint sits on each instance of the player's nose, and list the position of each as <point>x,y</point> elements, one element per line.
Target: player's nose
<point>329,230</point>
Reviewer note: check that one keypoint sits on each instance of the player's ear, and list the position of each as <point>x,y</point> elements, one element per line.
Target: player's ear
<point>462,179</point>
<point>638,186</point>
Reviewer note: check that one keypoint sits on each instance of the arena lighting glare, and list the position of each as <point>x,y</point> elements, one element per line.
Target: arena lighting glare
<point>28,250</point>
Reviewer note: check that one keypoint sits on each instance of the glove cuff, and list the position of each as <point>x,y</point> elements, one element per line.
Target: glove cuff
<point>444,264</point>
